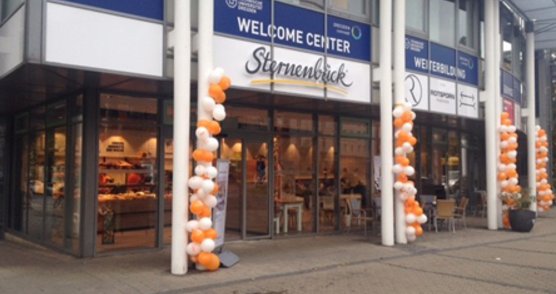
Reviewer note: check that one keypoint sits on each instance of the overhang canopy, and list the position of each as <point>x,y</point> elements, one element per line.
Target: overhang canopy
<point>543,13</point>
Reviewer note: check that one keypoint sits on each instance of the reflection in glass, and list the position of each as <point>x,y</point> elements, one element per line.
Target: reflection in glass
<point>442,21</point>
<point>415,15</point>
<point>35,197</point>
<point>466,26</point>
<point>354,173</point>
<point>127,201</point>
<point>257,200</point>
<point>21,202</point>
<point>294,182</point>
<point>327,184</point>
<point>231,149</point>
<point>54,194</point>
<point>76,195</point>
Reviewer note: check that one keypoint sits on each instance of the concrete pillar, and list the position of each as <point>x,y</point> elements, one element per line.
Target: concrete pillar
<point>182,99</point>
<point>531,130</point>
<point>386,128</point>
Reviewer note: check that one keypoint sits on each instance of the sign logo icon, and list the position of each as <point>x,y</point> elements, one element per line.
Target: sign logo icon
<point>414,92</point>
<point>356,32</point>
<point>467,100</point>
<point>231,3</point>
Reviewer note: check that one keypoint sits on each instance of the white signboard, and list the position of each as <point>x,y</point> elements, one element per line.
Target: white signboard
<point>219,211</point>
<point>417,90</point>
<point>250,64</point>
<point>442,96</point>
<point>468,101</point>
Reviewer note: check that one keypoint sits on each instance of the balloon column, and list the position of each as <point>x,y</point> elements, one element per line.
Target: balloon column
<point>405,189</point>
<point>544,190</point>
<point>202,184</point>
<point>507,173</point>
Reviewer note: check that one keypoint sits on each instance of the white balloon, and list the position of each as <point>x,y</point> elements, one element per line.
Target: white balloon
<point>422,218</point>
<point>544,181</point>
<point>504,144</point>
<point>540,209</point>
<point>208,104</point>
<point>397,168</point>
<point>512,166</point>
<point>200,170</point>
<point>407,148</point>
<point>511,129</point>
<point>512,140</point>
<point>409,170</point>
<point>538,128</point>
<point>202,133</point>
<point>193,249</point>
<point>216,75</point>
<point>399,151</point>
<point>398,111</point>
<point>207,245</point>
<point>502,167</point>
<point>512,154</point>
<point>409,230</point>
<point>504,184</point>
<point>413,115</point>
<point>411,238</point>
<point>549,202</point>
<point>205,223</point>
<point>212,172</point>
<point>194,198</point>
<point>402,196</point>
<point>398,185</point>
<point>195,182</point>
<point>210,201</point>
<point>219,112</point>
<point>207,186</point>
<point>539,161</point>
<point>410,218</point>
<point>191,225</point>
<point>211,144</point>
<point>513,181</point>
<point>407,127</point>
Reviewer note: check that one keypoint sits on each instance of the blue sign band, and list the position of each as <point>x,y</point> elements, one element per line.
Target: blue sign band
<point>293,26</point>
<point>468,68</point>
<point>145,8</point>
<point>443,61</point>
<point>417,54</point>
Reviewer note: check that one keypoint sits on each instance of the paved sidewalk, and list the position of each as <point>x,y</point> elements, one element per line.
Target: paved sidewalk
<point>468,261</point>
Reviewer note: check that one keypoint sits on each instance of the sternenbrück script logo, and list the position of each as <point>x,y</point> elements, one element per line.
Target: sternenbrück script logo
<point>319,72</point>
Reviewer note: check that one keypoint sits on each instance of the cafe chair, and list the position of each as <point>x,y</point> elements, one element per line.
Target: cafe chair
<point>428,203</point>
<point>459,211</point>
<point>445,212</point>
<point>327,208</point>
<point>356,213</point>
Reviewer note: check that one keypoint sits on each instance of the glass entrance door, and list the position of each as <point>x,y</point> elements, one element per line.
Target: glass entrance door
<point>248,204</point>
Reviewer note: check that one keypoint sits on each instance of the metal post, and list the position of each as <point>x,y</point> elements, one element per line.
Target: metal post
<point>490,111</point>
<point>182,97</point>
<point>386,128</point>
<point>531,130</point>
<point>399,92</point>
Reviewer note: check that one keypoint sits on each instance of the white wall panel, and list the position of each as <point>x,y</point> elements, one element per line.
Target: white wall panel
<point>417,90</point>
<point>11,42</point>
<point>81,37</point>
<point>468,101</point>
<point>442,96</point>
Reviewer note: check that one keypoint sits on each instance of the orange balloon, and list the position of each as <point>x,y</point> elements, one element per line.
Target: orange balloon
<point>197,236</point>
<point>407,116</point>
<point>215,91</point>
<point>412,141</point>
<point>214,262</point>
<point>502,176</point>
<point>398,123</point>
<point>511,173</point>
<point>418,211</point>
<point>206,212</point>
<point>196,206</point>
<point>204,258</point>
<point>404,136</point>
<point>418,231</point>
<point>225,83</point>
<point>216,189</point>
<point>542,132</point>
<point>408,209</point>
<point>204,123</point>
<point>505,115</point>
<point>410,202</point>
<point>203,155</point>
<point>402,178</point>
<point>507,122</point>
<point>214,128</point>
<point>211,233</point>
<point>504,136</point>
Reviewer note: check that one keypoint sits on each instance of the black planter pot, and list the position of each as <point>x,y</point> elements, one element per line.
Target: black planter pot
<point>522,220</point>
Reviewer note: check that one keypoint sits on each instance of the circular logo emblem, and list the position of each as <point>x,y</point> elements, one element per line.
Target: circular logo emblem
<point>414,90</point>
<point>356,32</point>
<point>231,3</point>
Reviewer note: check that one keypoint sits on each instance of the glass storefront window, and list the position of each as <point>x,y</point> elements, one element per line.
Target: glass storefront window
<point>127,201</point>
<point>75,193</point>
<point>37,189</point>
<point>442,21</point>
<point>415,15</point>
<point>8,7</point>
<point>355,7</point>
<point>327,183</point>
<point>327,125</point>
<point>507,27</point>
<point>242,118</point>
<point>293,121</point>
<point>466,26</point>
<point>54,194</point>
<point>315,4</point>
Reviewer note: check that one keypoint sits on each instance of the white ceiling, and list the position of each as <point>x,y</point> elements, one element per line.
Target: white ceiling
<point>543,12</point>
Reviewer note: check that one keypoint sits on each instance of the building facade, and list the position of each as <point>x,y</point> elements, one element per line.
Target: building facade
<point>87,110</point>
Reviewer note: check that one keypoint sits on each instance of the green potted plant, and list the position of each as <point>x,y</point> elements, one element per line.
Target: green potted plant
<point>522,218</point>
